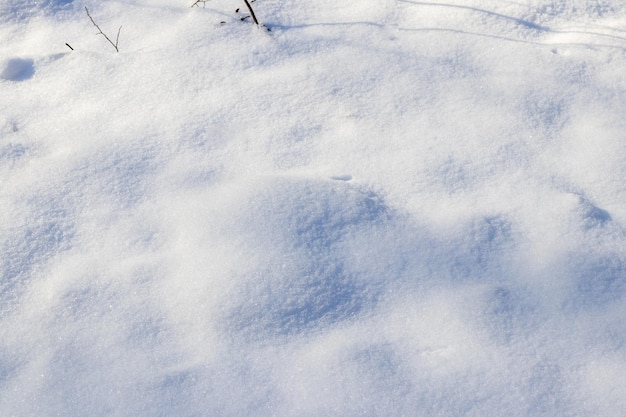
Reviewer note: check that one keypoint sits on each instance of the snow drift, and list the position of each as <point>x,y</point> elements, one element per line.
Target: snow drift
<point>373,208</point>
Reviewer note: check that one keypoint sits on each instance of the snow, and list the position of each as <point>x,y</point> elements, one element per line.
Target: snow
<point>383,208</point>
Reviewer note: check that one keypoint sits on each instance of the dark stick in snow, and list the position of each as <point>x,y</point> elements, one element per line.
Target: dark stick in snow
<point>251,12</point>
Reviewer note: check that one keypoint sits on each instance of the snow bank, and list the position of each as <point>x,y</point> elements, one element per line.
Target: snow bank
<point>382,208</point>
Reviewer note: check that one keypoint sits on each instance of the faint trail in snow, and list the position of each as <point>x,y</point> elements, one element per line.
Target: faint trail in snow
<point>599,32</point>
<point>580,32</point>
<point>522,22</point>
<point>332,24</point>
<point>524,41</point>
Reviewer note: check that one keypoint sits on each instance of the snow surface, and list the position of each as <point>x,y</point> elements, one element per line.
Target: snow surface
<point>378,207</point>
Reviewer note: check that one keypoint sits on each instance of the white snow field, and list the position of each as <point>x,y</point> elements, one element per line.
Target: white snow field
<point>374,208</point>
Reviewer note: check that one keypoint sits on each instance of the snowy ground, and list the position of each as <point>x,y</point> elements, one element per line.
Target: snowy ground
<point>379,207</point>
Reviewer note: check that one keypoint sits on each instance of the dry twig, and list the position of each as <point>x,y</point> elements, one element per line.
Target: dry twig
<point>117,39</point>
<point>251,12</point>
<point>198,2</point>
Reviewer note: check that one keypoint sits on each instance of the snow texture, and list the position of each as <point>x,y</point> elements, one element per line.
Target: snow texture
<point>372,208</point>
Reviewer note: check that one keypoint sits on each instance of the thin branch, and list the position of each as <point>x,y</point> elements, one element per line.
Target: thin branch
<point>117,38</point>
<point>103,34</point>
<point>198,2</point>
<point>251,12</point>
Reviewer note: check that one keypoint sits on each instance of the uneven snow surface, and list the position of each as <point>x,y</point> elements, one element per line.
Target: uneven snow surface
<point>374,208</point>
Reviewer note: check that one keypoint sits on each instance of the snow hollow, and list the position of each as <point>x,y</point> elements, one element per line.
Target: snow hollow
<point>372,208</point>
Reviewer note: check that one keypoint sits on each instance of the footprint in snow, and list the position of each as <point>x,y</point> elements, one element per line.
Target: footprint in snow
<point>18,69</point>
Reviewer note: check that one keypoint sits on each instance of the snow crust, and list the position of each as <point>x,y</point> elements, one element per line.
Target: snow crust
<point>382,208</point>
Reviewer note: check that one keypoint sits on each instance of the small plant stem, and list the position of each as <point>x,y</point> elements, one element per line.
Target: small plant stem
<point>256,22</point>
<point>117,39</point>
<point>103,34</point>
